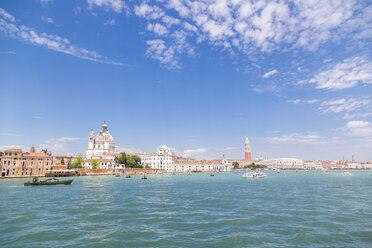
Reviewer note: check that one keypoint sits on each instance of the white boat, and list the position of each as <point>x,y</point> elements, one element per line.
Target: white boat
<point>257,174</point>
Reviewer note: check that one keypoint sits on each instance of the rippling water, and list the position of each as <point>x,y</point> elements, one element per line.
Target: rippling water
<point>304,209</point>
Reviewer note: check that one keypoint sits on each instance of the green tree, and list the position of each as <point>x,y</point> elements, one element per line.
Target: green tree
<point>235,164</point>
<point>133,162</point>
<point>62,161</point>
<point>122,159</point>
<point>78,163</point>
<point>95,164</point>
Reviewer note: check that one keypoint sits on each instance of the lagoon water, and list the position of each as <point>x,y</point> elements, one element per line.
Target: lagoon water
<point>304,209</point>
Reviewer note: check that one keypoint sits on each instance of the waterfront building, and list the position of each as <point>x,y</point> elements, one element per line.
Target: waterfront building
<point>102,163</point>
<point>161,160</point>
<point>283,163</point>
<point>247,155</point>
<point>16,163</point>
<point>200,166</point>
<point>65,159</point>
<point>100,144</point>
<point>313,165</point>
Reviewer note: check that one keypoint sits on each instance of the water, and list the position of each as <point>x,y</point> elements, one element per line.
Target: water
<point>304,209</point>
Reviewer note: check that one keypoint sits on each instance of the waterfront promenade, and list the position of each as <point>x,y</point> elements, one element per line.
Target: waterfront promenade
<point>304,209</point>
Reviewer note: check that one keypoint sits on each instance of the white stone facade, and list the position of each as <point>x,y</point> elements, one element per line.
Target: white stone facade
<point>161,160</point>
<point>283,163</point>
<point>100,144</point>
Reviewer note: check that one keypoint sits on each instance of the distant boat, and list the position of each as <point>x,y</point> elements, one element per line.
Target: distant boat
<point>277,170</point>
<point>257,174</point>
<point>144,176</point>
<point>346,173</point>
<point>117,175</point>
<point>189,173</point>
<point>212,174</point>
<point>127,175</point>
<point>51,181</point>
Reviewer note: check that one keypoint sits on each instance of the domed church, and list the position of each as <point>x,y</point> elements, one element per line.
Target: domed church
<point>101,144</point>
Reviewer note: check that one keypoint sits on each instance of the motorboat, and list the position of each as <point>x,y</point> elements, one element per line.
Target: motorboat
<point>277,170</point>
<point>346,173</point>
<point>51,181</point>
<point>144,176</point>
<point>212,174</point>
<point>256,174</point>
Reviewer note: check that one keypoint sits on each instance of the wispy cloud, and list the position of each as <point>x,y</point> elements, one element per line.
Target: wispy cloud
<point>270,73</point>
<point>47,19</point>
<point>194,152</point>
<point>297,101</point>
<point>300,138</point>
<point>52,42</point>
<point>257,26</point>
<point>359,128</point>
<point>6,147</point>
<point>345,75</point>
<point>115,5</point>
<point>343,105</point>
<point>61,145</point>
<point>10,134</point>
<point>229,148</point>
<point>110,22</point>
<point>11,52</point>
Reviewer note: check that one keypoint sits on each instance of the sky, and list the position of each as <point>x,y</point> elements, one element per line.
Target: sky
<point>199,76</point>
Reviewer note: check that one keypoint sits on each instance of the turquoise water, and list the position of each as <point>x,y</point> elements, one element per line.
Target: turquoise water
<point>304,209</point>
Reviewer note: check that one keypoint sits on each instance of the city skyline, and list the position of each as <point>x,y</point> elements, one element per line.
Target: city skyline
<point>197,77</point>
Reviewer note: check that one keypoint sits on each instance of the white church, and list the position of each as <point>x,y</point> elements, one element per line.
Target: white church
<point>101,144</point>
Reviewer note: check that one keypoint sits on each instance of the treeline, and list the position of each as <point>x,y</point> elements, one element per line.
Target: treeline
<point>130,161</point>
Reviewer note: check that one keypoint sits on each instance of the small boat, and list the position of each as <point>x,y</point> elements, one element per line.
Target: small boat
<point>257,174</point>
<point>173,173</point>
<point>117,175</point>
<point>51,181</point>
<point>277,170</point>
<point>296,170</point>
<point>212,174</point>
<point>189,173</point>
<point>346,173</point>
<point>127,175</point>
<point>144,176</point>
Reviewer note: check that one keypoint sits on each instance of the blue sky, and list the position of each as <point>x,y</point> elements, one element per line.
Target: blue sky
<point>293,76</point>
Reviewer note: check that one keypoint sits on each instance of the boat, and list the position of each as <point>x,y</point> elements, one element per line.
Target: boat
<point>346,173</point>
<point>127,175</point>
<point>277,170</point>
<point>212,174</point>
<point>51,181</point>
<point>173,173</point>
<point>257,174</point>
<point>189,173</point>
<point>117,174</point>
<point>144,176</point>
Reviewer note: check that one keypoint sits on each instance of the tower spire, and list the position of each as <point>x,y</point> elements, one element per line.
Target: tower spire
<point>247,150</point>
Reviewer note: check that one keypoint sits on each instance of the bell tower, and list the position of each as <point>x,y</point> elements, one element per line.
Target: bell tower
<point>247,150</point>
<point>91,139</point>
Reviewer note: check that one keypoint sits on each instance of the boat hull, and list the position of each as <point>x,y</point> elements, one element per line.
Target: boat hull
<point>42,183</point>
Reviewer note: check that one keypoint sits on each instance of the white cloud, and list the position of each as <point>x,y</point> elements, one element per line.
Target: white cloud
<point>115,5</point>
<point>6,147</point>
<point>109,22</point>
<point>52,42</point>
<point>297,101</point>
<point>298,138</point>
<point>148,12</point>
<point>356,115</point>
<point>45,1</point>
<point>229,148</point>
<point>263,26</point>
<point>270,73</point>
<point>5,15</point>
<point>193,152</point>
<point>157,29</point>
<point>11,52</point>
<point>343,105</point>
<point>359,128</point>
<point>344,75</point>
<point>10,134</point>
<point>47,19</point>
<point>62,145</point>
